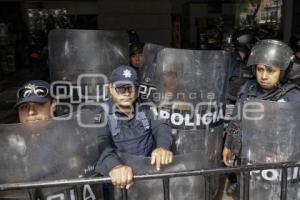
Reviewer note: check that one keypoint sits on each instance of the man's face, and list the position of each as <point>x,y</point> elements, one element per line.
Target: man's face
<point>171,81</point>
<point>136,60</point>
<point>29,112</point>
<point>267,77</point>
<point>123,96</point>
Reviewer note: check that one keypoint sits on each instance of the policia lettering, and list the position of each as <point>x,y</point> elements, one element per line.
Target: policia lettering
<point>86,192</point>
<point>205,114</point>
<point>273,175</point>
<point>191,120</point>
<point>210,115</point>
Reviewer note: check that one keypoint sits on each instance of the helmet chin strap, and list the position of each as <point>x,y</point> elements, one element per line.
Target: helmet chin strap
<point>254,70</point>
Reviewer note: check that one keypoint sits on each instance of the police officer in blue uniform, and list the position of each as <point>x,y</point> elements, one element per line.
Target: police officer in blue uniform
<point>34,103</point>
<point>136,55</point>
<point>131,129</point>
<point>270,60</point>
<point>243,40</point>
<point>214,38</point>
<point>135,51</point>
<point>294,73</point>
<point>295,44</point>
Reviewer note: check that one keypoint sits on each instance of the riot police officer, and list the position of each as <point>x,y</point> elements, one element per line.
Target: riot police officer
<point>135,50</point>
<point>130,129</point>
<point>34,102</point>
<point>136,55</point>
<point>269,60</point>
<point>213,38</point>
<point>294,73</point>
<point>243,39</point>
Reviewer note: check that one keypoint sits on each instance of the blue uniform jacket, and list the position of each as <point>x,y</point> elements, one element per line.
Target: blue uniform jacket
<point>233,138</point>
<point>137,136</point>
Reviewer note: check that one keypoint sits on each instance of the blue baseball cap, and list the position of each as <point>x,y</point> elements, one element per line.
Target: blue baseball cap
<point>36,91</point>
<point>123,75</point>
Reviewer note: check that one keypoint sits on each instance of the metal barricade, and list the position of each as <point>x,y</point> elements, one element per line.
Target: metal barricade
<point>244,171</point>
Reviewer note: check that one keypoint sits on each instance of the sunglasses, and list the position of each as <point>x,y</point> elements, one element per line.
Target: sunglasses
<point>124,89</point>
<point>39,91</point>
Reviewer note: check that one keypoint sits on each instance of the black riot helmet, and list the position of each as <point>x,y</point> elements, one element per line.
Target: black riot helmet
<point>243,39</point>
<point>295,41</point>
<point>214,33</point>
<point>136,48</point>
<point>271,53</point>
<point>214,38</point>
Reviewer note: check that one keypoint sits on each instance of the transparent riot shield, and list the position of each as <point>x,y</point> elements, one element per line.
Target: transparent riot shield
<point>148,78</point>
<point>190,95</point>
<point>81,62</point>
<point>76,52</point>
<point>270,134</point>
<point>50,150</point>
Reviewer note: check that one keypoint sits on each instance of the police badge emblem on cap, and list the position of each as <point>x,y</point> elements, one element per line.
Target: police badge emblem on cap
<point>124,75</point>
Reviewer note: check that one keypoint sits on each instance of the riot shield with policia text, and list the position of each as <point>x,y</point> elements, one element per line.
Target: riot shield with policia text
<point>50,150</point>
<point>270,134</point>
<point>190,95</point>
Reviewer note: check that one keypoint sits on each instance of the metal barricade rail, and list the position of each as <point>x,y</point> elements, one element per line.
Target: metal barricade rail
<point>165,176</point>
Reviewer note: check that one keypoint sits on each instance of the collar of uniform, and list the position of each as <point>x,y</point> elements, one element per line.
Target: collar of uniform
<point>118,112</point>
<point>259,91</point>
<point>254,89</point>
<point>263,94</point>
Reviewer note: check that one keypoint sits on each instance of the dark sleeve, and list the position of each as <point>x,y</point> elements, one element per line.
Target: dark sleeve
<point>233,139</point>
<point>232,132</point>
<point>108,156</point>
<point>161,131</point>
<point>233,128</point>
